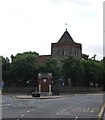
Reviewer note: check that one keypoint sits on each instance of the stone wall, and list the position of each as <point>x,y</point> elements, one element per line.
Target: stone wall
<point>66,49</point>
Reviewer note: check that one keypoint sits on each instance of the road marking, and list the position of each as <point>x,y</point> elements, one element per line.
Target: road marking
<point>22,115</point>
<point>32,102</point>
<point>101,113</point>
<point>76,118</point>
<point>16,105</point>
<point>80,110</point>
<point>57,113</point>
<point>95,94</point>
<point>28,111</point>
<point>9,104</point>
<point>61,111</point>
<point>4,107</point>
<point>84,111</point>
<point>40,106</point>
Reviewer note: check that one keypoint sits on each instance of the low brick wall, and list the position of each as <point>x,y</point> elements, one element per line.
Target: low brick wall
<point>61,90</point>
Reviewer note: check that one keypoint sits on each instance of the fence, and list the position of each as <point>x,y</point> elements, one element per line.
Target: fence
<point>61,89</point>
<point>80,89</point>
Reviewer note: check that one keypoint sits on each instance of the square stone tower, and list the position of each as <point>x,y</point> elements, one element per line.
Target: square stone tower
<point>66,47</point>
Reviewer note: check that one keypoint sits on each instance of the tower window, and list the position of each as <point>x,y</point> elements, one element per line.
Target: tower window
<point>76,52</point>
<point>64,52</point>
<point>58,52</point>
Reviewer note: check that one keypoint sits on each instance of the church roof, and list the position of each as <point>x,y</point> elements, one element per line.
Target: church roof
<point>65,38</point>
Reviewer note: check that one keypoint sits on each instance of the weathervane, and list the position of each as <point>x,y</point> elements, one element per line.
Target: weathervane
<point>66,26</point>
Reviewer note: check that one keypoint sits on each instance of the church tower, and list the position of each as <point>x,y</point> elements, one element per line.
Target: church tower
<point>66,47</point>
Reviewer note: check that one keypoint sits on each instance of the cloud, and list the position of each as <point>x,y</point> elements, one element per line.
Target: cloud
<point>80,2</point>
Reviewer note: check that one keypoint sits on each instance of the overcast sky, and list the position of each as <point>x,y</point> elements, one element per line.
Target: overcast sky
<point>32,25</point>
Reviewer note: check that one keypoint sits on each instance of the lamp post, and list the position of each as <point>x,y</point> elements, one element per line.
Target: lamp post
<point>28,86</point>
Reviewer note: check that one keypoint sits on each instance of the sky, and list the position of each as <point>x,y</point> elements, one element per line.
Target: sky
<point>32,25</point>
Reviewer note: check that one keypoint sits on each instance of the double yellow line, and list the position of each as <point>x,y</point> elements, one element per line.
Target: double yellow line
<point>101,113</point>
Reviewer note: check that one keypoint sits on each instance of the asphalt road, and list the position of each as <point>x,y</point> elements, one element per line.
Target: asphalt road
<point>74,106</point>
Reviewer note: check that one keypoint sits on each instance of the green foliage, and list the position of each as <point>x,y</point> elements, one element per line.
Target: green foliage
<point>93,72</point>
<point>103,81</point>
<point>50,67</point>
<point>23,68</point>
<point>73,69</point>
<point>5,70</point>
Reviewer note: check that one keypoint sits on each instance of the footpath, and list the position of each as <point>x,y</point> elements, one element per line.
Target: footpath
<point>43,96</point>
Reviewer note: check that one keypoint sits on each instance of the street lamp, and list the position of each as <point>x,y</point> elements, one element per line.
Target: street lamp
<point>28,81</point>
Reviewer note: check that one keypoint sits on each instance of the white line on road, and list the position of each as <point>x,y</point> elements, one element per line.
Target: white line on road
<point>22,115</point>
<point>32,102</point>
<point>76,118</point>
<point>41,107</point>
<point>4,107</point>
<point>9,104</point>
<point>57,113</point>
<point>84,111</point>
<point>80,110</point>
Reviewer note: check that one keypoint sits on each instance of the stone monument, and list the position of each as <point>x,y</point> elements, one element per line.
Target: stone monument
<point>45,83</point>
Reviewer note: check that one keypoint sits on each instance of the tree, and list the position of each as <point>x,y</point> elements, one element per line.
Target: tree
<point>50,67</point>
<point>93,72</point>
<point>5,70</point>
<point>103,81</point>
<point>72,68</point>
<point>24,68</point>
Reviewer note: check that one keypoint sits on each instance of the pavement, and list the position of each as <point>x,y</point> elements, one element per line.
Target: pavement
<point>41,97</point>
<point>23,96</point>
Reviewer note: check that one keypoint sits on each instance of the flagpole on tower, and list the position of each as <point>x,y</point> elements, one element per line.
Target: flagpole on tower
<point>66,26</point>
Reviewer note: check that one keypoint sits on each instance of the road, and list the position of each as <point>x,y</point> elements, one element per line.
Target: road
<point>74,106</point>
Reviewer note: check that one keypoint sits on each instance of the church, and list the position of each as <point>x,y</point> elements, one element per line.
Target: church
<point>65,47</point>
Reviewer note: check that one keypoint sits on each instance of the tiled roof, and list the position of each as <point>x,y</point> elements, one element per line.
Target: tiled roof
<point>65,38</point>
<point>42,59</point>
